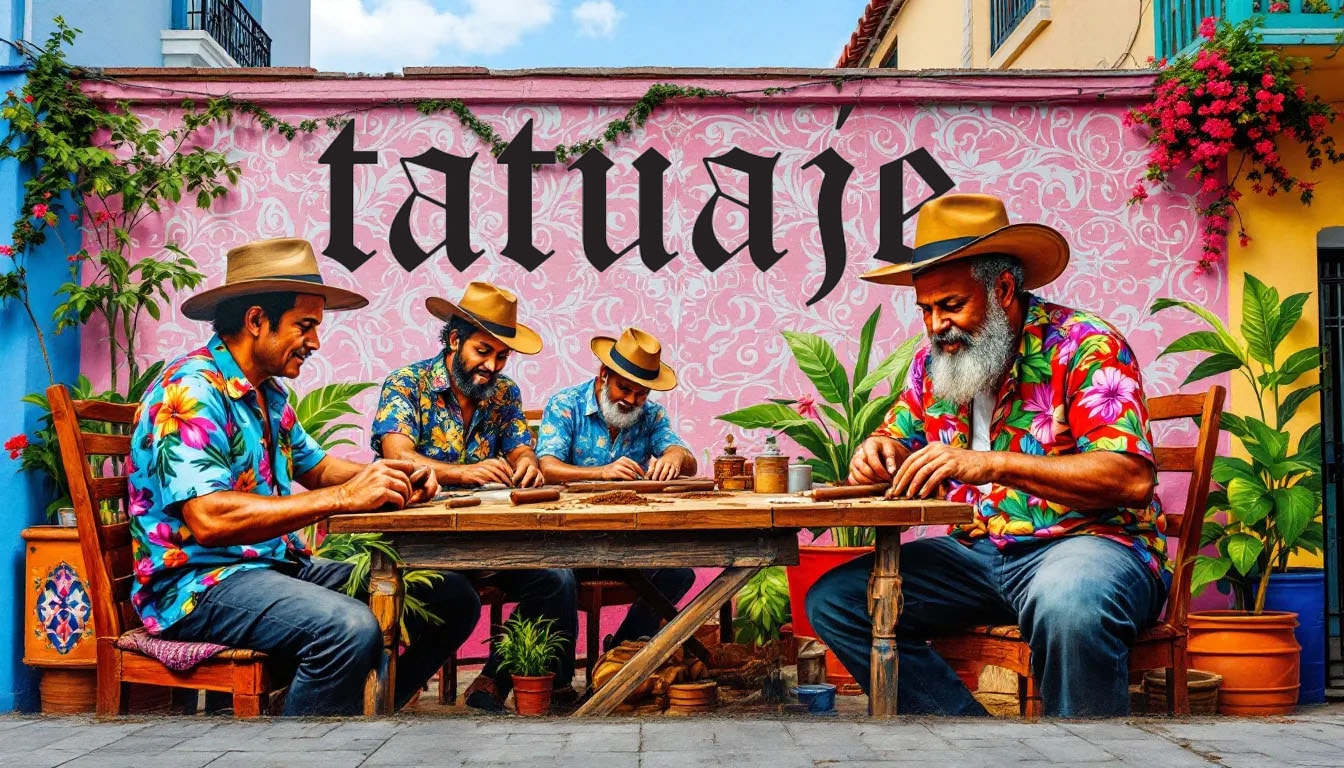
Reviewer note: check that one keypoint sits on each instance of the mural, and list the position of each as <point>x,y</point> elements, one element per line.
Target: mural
<point>1053,147</point>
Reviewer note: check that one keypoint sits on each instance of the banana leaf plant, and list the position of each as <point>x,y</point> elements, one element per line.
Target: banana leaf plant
<point>832,430</point>
<point>1269,504</point>
<point>762,607</point>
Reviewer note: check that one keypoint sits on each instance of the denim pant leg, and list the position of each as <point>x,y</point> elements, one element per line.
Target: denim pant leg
<point>550,593</point>
<point>333,638</point>
<point>1081,601</point>
<point>946,585</point>
<point>642,620</point>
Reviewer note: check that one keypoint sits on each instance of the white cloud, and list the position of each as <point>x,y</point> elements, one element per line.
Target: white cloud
<point>596,18</point>
<point>386,35</point>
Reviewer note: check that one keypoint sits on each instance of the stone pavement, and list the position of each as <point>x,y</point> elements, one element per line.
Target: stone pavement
<point>1314,736</point>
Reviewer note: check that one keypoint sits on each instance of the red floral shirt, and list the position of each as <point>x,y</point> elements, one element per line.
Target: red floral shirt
<point>1073,387</point>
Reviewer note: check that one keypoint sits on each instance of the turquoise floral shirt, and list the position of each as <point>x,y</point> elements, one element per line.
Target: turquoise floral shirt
<point>572,430</point>
<point>199,430</point>
<point>418,402</point>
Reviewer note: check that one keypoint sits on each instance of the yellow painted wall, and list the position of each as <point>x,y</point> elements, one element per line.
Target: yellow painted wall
<point>1282,252</point>
<point>928,33</point>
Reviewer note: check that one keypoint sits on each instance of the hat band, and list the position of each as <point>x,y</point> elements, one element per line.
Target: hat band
<point>644,373</point>
<point>495,328</point>
<point>316,279</point>
<point>940,248</point>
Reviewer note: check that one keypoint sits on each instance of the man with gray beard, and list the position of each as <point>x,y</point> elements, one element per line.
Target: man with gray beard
<point>1034,414</point>
<point>606,429</point>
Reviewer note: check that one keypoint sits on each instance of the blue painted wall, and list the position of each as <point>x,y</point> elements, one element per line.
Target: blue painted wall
<point>24,372</point>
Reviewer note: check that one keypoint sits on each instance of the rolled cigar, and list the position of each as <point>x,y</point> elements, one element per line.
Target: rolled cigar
<point>533,496</point>
<point>419,476</point>
<point>707,485</point>
<point>463,501</point>
<point>849,491</point>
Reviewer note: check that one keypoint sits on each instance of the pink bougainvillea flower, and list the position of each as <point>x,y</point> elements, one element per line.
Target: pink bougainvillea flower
<point>40,211</point>
<point>806,406</point>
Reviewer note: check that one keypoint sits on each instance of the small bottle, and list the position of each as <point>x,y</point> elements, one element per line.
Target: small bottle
<point>729,464</point>
<point>772,469</point>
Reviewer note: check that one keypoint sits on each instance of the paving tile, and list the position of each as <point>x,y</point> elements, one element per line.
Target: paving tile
<point>259,759</point>
<point>1068,750</point>
<point>104,759</point>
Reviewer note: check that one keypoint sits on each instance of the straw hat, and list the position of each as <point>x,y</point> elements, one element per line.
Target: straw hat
<point>493,310</point>
<point>960,226</point>
<point>638,357</point>
<point>269,266</point>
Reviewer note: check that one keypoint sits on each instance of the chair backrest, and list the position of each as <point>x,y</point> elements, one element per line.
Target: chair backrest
<point>95,439</point>
<point>533,423</point>
<point>1197,462</point>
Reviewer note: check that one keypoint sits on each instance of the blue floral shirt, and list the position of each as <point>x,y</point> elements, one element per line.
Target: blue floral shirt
<point>573,431</point>
<point>199,430</point>
<point>418,402</point>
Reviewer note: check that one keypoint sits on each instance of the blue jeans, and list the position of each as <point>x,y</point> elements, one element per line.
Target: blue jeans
<point>1079,601</point>
<point>331,638</point>
<point>547,593</point>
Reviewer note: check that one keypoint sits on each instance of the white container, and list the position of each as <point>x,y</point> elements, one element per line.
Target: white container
<point>800,477</point>
<point>66,516</point>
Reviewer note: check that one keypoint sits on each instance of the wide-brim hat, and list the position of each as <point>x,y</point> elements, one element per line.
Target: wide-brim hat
<point>637,356</point>
<point>493,310</point>
<point>961,226</point>
<point>270,266</point>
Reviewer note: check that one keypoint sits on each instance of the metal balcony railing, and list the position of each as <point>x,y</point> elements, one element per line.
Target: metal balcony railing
<point>233,27</point>
<point>1306,22</point>
<point>1004,16</point>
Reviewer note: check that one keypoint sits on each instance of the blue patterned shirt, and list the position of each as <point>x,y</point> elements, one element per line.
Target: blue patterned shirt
<point>198,430</point>
<point>417,402</point>
<point>573,431</point>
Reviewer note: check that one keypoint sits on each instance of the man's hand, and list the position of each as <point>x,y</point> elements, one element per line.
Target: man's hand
<point>925,471</point>
<point>623,468</point>
<point>382,483</point>
<point>665,467</point>
<point>424,485</point>
<point>875,461</point>
<point>526,473</point>
<point>488,471</point>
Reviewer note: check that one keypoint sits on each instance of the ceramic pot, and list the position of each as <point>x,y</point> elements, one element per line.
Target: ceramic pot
<point>532,695</point>
<point>1257,656</point>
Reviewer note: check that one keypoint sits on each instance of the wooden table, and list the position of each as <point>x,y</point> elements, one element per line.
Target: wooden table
<point>741,533</point>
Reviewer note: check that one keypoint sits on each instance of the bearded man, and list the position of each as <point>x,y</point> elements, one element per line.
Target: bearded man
<point>1034,414</point>
<point>457,413</point>
<point>606,429</point>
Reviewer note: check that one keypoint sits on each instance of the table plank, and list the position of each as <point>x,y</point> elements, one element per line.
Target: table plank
<point>504,550</point>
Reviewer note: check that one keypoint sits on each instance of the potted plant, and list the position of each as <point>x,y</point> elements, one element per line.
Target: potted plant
<point>1269,503</point>
<point>831,432</point>
<point>528,648</point>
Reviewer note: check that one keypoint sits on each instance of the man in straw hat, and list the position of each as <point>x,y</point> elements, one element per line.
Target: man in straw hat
<point>1034,413</point>
<point>457,413</point>
<point>215,449</point>
<point>605,429</point>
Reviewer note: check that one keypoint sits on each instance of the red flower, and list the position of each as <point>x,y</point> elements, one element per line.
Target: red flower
<point>1208,27</point>
<point>28,98</point>
<point>6,250</point>
<point>40,211</point>
<point>100,217</point>
<point>74,219</point>
<point>16,444</point>
<point>806,406</point>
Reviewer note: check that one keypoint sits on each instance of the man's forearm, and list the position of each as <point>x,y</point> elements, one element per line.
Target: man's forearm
<point>229,518</point>
<point>558,471</point>
<point>688,463</point>
<point>1092,480</point>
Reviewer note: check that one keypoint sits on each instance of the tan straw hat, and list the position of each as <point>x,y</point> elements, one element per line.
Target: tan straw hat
<point>960,226</point>
<point>638,357</point>
<point>270,266</point>
<point>493,310</point>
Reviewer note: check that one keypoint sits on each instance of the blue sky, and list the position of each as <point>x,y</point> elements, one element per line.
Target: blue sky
<point>386,35</point>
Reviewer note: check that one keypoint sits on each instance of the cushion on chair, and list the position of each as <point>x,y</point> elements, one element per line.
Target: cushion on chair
<point>181,656</point>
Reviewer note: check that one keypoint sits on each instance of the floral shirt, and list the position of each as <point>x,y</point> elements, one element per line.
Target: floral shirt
<point>199,430</point>
<point>1073,387</point>
<point>573,431</point>
<point>417,402</point>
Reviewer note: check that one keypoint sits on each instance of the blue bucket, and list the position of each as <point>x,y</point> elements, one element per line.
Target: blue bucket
<point>819,698</point>
<point>1302,591</point>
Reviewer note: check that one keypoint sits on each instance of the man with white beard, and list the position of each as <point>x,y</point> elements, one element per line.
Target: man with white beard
<point>606,429</point>
<point>1033,413</point>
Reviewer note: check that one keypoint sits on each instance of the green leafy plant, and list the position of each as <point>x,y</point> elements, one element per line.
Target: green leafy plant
<point>762,607</point>
<point>528,647</point>
<point>832,430</point>
<point>357,548</point>
<point>1270,505</point>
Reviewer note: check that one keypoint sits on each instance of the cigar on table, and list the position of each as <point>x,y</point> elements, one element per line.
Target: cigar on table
<point>533,495</point>
<point>462,501</point>
<point>849,491</point>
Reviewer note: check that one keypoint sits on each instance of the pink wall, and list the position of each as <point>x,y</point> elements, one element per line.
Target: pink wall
<point>1052,145</point>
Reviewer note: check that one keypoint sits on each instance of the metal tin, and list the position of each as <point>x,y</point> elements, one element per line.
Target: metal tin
<point>800,477</point>
<point>772,474</point>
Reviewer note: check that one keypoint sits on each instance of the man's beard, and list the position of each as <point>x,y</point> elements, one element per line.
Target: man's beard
<point>616,414</point>
<point>466,383</point>
<point>978,364</point>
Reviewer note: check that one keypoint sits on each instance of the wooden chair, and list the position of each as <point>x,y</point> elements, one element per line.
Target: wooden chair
<point>1163,645</point>
<point>106,546</point>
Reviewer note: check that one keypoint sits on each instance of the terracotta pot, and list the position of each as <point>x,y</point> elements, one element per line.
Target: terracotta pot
<point>813,562</point>
<point>1257,656</point>
<point>532,695</point>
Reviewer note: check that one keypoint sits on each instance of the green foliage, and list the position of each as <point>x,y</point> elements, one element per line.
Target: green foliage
<point>832,432</point>
<point>1272,503</point>
<point>528,647</point>
<point>762,607</point>
<point>321,411</point>
<point>357,548</point>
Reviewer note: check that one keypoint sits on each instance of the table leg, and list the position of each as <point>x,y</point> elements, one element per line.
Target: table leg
<point>648,658</point>
<point>649,593</point>
<point>386,591</point>
<point>884,605</point>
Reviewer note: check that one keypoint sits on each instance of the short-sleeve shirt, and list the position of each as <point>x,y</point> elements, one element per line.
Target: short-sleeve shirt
<point>573,431</point>
<point>199,430</point>
<point>1073,387</point>
<point>417,401</point>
